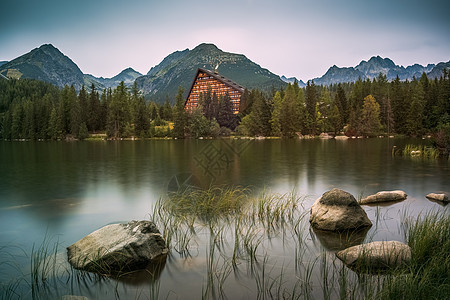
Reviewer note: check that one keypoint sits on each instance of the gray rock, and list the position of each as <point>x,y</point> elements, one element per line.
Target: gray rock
<point>438,197</point>
<point>338,210</point>
<point>376,256</point>
<point>385,196</point>
<point>118,247</point>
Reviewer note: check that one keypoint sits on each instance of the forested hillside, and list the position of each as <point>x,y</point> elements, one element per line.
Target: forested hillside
<point>32,110</point>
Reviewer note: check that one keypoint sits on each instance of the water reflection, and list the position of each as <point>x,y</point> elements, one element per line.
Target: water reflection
<point>72,189</point>
<point>336,241</point>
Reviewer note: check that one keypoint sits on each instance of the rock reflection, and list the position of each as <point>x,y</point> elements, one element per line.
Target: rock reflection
<point>148,275</point>
<point>336,241</point>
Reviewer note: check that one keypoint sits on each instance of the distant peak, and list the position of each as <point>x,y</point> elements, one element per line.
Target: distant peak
<point>48,46</point>
<point>206,46</point>
<point>380,59</point>
<point>129,69</point>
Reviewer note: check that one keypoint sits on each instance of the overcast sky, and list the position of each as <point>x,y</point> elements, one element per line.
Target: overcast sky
<point>293,38</point>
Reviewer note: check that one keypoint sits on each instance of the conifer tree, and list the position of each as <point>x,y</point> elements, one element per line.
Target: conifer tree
<point>289,117</point>
<point>311,104</point>
<point>275,121</point>
<point>180,116</point>
<point>370,118</point>
<point>225,116</point>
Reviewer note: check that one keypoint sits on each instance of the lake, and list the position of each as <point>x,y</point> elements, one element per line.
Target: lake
<point>61,191</point>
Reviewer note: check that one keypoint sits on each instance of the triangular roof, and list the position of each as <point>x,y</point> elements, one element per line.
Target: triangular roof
<point>219,77</point>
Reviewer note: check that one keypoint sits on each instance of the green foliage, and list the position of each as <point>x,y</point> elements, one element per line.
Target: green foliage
<point>199,125</point>
<point>257,123</point>
<point>370,118</point>
<point>180,116</point>
<point>311,106</point>
<point>83,132</point>
<point>225,116</point>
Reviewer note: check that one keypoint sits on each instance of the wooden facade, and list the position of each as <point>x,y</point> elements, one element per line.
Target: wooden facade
<point>219,85</point>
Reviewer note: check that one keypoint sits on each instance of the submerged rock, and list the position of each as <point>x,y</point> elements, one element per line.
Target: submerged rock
<point>385,196</point>
<point>118,247</point>
<point>376,256</point>
<point>338,210</point>
<point>438,197</point>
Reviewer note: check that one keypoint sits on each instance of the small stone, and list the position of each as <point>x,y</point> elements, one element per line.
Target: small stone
<point>385,196</point>
<point>438,197</point>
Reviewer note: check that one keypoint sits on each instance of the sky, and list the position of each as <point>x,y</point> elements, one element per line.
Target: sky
<point>288,37</point>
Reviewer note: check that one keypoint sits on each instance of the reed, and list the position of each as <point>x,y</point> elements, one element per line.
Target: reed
<point>420,151</point>
<point>429,272</point>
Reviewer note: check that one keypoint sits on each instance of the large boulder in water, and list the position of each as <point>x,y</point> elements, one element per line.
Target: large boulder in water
<point>384,196</point>
<point>376,256</point>
<point>118,248</point>
<point>338,210</point>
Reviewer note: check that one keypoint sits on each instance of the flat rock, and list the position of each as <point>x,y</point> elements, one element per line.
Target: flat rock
<point>376,256</point>
<point>384,196</point>
<point>438,197</point>
<point>338,210</point>
<point>118,247</point>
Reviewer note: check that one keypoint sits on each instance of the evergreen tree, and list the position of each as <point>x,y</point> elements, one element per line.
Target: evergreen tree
<point>199,125</point>
<point>54,125</point>
<point>84,105</point>
<point>415,117</point>
<point>334,119</point>
<point>94,111</point>
<point>311,104</point>
<point>289,117</point>
<point>323,110</point>
<point>83,132</point>
<point>257,122</point>
<point>245,103</point>
<point>142,120</point>
<point>167,110</point>
<point>180,116</point>
<point>399,104</point>
<point>118,112</point>
<point>370,118</point>
<point>275,121</point>
<point>225,116</point>
<point>340,100</point>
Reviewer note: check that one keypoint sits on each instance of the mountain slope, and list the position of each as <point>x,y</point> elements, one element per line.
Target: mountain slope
<point>45,63</point>
<point>179,69</point>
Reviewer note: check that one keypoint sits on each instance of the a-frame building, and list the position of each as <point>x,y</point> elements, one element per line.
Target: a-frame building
<point>219,85</point>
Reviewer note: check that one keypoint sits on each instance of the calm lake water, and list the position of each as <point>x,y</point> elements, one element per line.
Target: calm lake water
<point>63,191</point>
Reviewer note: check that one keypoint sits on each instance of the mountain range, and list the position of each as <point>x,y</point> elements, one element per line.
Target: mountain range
<point>48,64</point>
<point>374,66</point>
